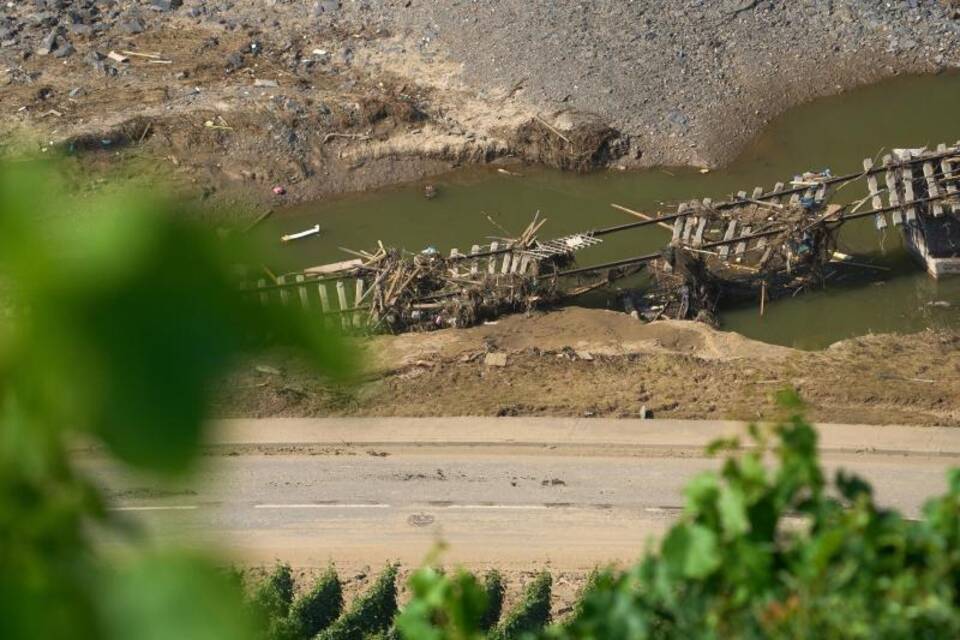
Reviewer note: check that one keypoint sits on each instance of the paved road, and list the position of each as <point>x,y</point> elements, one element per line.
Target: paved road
<point>522,492</point>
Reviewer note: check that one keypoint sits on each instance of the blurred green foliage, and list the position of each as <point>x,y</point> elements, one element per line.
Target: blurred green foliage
<point>113,330</point>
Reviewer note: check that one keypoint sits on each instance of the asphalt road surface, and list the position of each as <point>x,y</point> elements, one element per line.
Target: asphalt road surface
<point>568,494</point>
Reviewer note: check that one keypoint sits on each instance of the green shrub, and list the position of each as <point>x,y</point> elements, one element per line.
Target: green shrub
<point>317,609</point>
<point>529,615</point>
<point>371,613</point>
<point>493,587</point>
<point>273,595</point>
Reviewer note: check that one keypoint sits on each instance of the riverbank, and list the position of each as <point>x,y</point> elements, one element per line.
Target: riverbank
<point>592,363</point>
<point>339,97</point>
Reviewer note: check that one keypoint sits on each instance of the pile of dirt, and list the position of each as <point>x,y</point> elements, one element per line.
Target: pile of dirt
<point>586,145</point>
<point>579,362</point>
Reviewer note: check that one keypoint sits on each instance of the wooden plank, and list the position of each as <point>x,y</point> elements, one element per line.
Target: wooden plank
<point>688,228</point>
<point>677,229</point>
<point>342,301</point>
<point>776,188</point>
<point>333,267</point>
<point>324,297</point>
<point>525,264</point>
<point>742,246</point>
<point>302,290</point>
<point>698,236</point>
<point>947,167</point>
<point>284,292</point>
<point>727,236</point>
<point>820,195</point>
<point>492,262</point>
<point>358,315</point>
<point>876,201</point>
<point>507,261</point>
<point>475,263</point>
<point>757,192</point>
<point>454,268</point>
<point>908,196</point>
<point>264,295</point>
<point>741,195</point>
<point>933,190</point>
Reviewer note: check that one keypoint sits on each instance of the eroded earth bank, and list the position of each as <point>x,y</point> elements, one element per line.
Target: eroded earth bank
<point>230,99</point>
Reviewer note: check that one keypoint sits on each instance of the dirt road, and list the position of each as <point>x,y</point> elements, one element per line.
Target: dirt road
<point>513,493</point>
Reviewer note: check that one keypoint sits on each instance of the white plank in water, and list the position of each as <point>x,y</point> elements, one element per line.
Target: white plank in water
<point>302,290</point>
<point>342,301</point>
<point>264,296</point>
<point>492,262</point>
<point>698,236</point>
<point>474,264</point>
<point>731,229</point>
<point>757,192</point>
<point>876,201</point>
<point>357,297</point>
<point>742,246</point>
<point>933,190</point>
<point>284,292</point>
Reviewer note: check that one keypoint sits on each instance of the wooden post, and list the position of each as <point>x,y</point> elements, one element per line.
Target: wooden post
<point>947,167</point>
<point>876,201</point>
<point>358,296</point>
<point>284,292</point>
<point>932,189</point>
<point>342,301</point>
<point>763,296</point>
<point>324,301</point>
<point>455,269</point>
<point>777,188</point>
<point>911,211</point>
<point>264,295</point>
<point>474,264</point>
<point>507,260</point>
<point>757,192</point>
<point>302,290</point>
<point>677,227</point>
<point>492,262</point>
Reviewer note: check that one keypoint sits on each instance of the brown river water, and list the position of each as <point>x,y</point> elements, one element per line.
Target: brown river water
<point>836,133</point>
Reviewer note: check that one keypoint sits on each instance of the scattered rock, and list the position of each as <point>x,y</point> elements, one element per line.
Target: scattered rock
<point>495,360</point>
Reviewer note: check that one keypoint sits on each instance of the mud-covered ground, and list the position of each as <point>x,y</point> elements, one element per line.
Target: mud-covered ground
<point>227,100</point>
<point>579,362</point>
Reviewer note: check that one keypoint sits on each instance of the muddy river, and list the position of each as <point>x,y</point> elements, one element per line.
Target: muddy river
<point>835,133</point>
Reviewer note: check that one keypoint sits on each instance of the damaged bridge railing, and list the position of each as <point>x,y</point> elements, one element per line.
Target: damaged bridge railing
<point>760,246</point>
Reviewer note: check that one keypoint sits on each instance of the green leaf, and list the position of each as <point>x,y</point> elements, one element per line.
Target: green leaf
<point>173,597</point>
<point>733,512</point>
<point>691,550</point>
